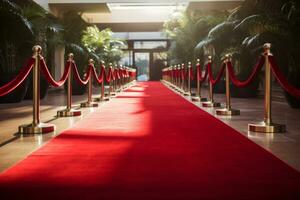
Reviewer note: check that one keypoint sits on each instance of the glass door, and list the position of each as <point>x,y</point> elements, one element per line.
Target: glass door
<point>142,63</point>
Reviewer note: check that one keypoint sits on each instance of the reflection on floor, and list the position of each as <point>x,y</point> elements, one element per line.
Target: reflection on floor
<point>285,146</point>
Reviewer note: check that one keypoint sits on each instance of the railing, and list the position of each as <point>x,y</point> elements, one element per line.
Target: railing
<point>118,79</point>
<point>179,78</point>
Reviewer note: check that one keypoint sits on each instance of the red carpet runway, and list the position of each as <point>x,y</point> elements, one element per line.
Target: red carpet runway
<point>149,144</point>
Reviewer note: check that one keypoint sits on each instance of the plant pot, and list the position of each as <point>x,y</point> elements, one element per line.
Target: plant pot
<point>220,87</point>
<point>44,86</point>
<point>18,94</point>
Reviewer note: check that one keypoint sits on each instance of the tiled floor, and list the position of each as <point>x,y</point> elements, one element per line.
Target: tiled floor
<point>285,146</point>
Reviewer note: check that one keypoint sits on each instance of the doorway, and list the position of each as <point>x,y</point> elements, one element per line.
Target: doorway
<point>142,63</point>
<point>149,65</point>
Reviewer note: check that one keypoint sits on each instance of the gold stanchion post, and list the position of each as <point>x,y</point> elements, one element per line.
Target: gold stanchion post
<point>188,92</point>
<point>36,127</point>
<point>69,112</point>
<point>227,111</point>
<point>178,89</point>
<point>267,126</point>
<point>211,102</point>
<point>108,94</point>
<point>113,87</point>
<point>183,79</point>
<point>90,102</point>
<point>198,96</point>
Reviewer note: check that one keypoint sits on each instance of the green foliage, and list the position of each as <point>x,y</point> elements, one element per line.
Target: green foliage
<point>186,29</point>
<point>15,30</point>
<point>254,23</point>
<point>102,45</point>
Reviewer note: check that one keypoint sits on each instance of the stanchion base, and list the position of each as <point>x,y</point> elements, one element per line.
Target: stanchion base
<point>186,94</point>
<point>197,99</point>
<point>180,91</point>
<point>228,112</point>
<point>112,94</point>
<point>96,99</point>
<point>88,104</point>
<point>267,128</point>
<point>210,104</point>
<point>30,129</point>
<point>68,113</point>
<point>106,98</point>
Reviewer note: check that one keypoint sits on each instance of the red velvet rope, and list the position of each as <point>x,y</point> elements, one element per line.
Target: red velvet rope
<point>120,73</point>
<point>9,87</point>
<point>282,80</point>
<point>210,74</point>
<point>50,79</point>
<point>182,74</point>
<point>133,74</point>
<point>259,65</point>
<point>192,74</point>
<point>113,74</point>
<point>117,74</point>
<point>199,74</point>
<point>108,76</point>
<point>97,78</point>
<point>178,71</point>
<point>86,79</point>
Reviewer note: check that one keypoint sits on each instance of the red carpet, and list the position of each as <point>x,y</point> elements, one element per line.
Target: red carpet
<point>150,144</point>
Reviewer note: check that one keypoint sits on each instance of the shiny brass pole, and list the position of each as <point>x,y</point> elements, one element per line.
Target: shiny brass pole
<point>188,92</point>
<point>36,89</point>
<point>109,84</point>
<point>198,96</point>
<point>211,102</point>
<point>267,126</point>
<point>90,102</point>
<point>102,87</point>
<point>179,78</point>
<point>227,111</point>
<point>36,127</point>
<point>183,79</point>
<point>113,87</point>
<point>69,112</point>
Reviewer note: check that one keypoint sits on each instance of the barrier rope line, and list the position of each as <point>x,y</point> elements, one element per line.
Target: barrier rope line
<point>23,74</point>
<point>210,74</point>
<point>292,90</point>
<point>49,77</point>
<point>259,65</point>
<point>87,75</point>
<point>199,74</point>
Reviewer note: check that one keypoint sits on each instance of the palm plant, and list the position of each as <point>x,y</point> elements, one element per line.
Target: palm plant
<point>102,45</point>
<point>15,31</point>
<point>255,23</point>
<point>185,30</point>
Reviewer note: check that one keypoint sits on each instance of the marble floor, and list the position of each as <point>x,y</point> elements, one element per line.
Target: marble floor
<point>14,148</point>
